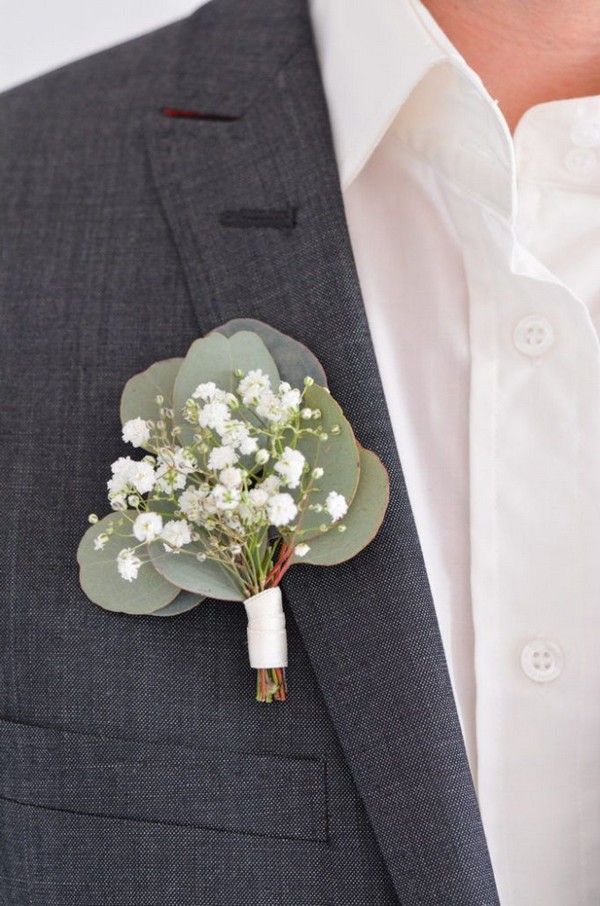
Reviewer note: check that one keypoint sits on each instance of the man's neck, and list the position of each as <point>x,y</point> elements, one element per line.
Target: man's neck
<point>526,51</point>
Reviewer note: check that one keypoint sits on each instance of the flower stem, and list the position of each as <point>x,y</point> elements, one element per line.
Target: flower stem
<point>271,684</point>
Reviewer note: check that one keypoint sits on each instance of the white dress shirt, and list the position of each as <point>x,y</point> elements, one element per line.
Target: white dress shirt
<point>477,253</point>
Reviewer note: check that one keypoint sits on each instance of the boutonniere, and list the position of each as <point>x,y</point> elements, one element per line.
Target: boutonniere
<point>251,468</point>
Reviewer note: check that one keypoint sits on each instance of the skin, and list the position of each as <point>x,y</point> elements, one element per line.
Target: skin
<point>526,51</point>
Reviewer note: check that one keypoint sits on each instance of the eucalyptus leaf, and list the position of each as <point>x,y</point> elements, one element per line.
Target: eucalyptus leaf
<point>185,600</point>
<point>138,399</point>
<point>100,578</point>
<point>362,521</point>
<point>294,360</point>
<point>338,456</point>
<point>216,358</point>
<point>208,578</point>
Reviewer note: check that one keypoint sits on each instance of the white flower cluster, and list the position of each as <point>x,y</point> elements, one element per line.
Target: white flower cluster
<point>277,408</point>
<point>241,474</point>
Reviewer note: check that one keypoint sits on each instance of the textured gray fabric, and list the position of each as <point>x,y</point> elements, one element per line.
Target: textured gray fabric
<point>135,767</point>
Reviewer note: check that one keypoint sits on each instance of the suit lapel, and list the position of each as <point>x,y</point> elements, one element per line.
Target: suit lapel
<point>369,625</point>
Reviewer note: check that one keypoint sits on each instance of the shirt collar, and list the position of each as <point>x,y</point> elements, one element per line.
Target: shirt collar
<point>372,54</point>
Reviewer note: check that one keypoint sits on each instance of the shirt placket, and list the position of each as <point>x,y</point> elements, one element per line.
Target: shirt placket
<point>535,500</point>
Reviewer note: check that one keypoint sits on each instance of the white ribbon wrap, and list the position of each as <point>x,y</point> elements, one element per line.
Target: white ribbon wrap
<point>267,639</point>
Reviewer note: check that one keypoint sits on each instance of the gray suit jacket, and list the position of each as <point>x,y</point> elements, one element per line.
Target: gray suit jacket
<point>135,767</point>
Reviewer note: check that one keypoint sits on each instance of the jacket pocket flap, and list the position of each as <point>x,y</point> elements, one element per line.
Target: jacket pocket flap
<point>238,792</point>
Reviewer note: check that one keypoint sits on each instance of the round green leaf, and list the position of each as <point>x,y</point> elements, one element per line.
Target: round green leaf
<point>216,358</point>
<point>207,578</point>
<point>294,360</point>
<point>184,601</point>
<point>138,399</point>
<point>362,521</point>
<point>338,457</point>
<point>100,578</point>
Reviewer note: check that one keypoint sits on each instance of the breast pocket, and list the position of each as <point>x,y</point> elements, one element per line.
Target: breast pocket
<point>93,821</point>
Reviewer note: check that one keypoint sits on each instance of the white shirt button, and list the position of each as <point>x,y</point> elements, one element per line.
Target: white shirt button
<point>533,335</point>
<point>581,161</point>
<point>586,133</point>
<point>542,661</point>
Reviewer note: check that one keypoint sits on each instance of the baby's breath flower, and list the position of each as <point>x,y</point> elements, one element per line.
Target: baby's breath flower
<point>231,478</point>
<point>233,433</point>
<point>252,387</point>
<point>184,461</point>
<point>247,513</point>
<point>270,484</point>
<point>248,445</point>
<point>118,501</point>
<point>269,407</point>
<point>290,466</point>
<point>258,497</point>
<point>225,498</point>
<point>129,474</point>
<point>281,509</point>
<point>222,457</point>
<point>147,527</point>
<point>318,472</point>
<point>191,411</point>
<point>128,564</point>
<point>214,415</point>
<point>262,457</point>
<point>176,533</point>
<point>169,479</point>
<point>306,413</point>
<point>205,392</point>
<point>336,505</point>
<point>302,549</point>
<point>192,501</point>
<point>100,541</point>
<point>289,397</point>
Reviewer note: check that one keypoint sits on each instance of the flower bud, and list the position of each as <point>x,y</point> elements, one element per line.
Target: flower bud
<point>93,519</point>
<point>262,457</point>
<point>308,381</point>
<point>318,472</point>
